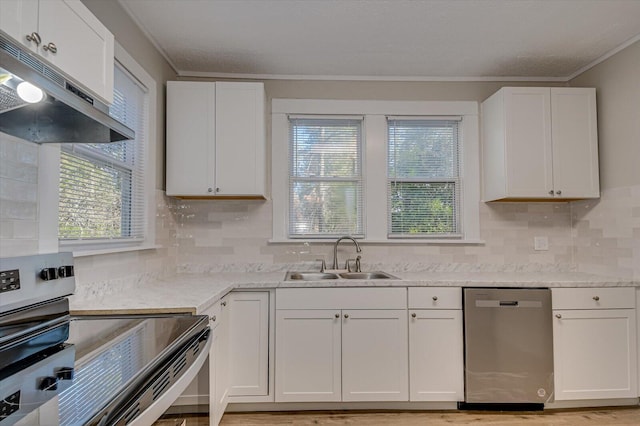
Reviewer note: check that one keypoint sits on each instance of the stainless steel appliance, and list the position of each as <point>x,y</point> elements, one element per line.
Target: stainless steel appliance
<point>508,348</point>
<point>59,369</point>
<point>66,113</point>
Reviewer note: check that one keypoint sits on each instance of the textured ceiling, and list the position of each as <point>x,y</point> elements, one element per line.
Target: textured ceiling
<point>387,38</point>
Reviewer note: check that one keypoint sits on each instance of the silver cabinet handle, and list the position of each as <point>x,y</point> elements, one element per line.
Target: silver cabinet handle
<point>213,318</point>
<point>435,298</point>
<point>337,315</point>
<point>34,37</point>
<point>51,47</point>
<point>558,316</point>
<point>217,189</point>
<point>224,303</point>
<point>346,315</point>
<point>209,189</point>
<point>596,298</point>
<point>551,192</point>
<point>413,315</point>
<point>558,192</point>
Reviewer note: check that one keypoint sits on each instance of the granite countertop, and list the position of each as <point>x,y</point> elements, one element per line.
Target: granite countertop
<point>195,293</point>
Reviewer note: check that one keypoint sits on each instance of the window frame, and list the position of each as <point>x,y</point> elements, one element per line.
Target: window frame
<point>374,167</point>
<point>49,175</point>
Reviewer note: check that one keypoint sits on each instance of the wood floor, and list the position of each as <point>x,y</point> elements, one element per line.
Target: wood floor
<point>593,417</point>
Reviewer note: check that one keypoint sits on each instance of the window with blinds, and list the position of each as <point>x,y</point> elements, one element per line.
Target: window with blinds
<point>102,185</point>
<point>423,188</point>
<point>325,177</point>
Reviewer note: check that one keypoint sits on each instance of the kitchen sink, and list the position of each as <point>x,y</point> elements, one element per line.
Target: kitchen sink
<point>377,275</point>
<point>318,276</point>
<point>309,276</point>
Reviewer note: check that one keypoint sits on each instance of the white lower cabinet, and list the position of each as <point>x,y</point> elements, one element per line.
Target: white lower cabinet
<point>249,344</point>
<point>436,348</point>
<point>330,347</point>
<point>594,343</point>
<point>219,363</point>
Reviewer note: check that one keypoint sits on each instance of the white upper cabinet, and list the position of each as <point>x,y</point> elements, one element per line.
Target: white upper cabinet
<point>540,143</point>
<point>216,140</point>
<point>67,35</point>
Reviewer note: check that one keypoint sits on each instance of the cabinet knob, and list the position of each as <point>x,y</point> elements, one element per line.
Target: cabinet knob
<point>224,303</point>
<point>209,189</point>
<point>213,318</point>
<point>558,316</point>
<point>51,47</point>
<point>551,192</point>
<point>413,315</point>
<point>34,37</point>
<point>337,315</point>
<point>558,192</point>
<point>596,298</point>
<point>435,298</point>
<point>346,315</point>
<point>217,189</point>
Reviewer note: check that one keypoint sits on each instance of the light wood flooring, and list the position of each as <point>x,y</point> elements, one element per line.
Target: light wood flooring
<point>628,416</point>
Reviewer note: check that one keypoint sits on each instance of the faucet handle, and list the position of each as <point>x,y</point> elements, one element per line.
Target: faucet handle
<point>323,265</point>
<point>358,266</point>
<point>347,265</point>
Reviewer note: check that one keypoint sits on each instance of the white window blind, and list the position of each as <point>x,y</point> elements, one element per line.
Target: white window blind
<point>102,185</point>
<point>325,177</point>
<point>424,190</point>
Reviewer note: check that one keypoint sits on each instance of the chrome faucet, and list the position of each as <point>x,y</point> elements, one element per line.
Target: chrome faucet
<point>335,249</point>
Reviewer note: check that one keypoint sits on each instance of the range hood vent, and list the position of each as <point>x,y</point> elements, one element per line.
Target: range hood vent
<point>66,115</point>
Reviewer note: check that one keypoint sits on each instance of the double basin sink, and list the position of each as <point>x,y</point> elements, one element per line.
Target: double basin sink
<point>319,276</point>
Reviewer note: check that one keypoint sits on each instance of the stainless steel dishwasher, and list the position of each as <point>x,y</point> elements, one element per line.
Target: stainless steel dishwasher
<point>508,348</point>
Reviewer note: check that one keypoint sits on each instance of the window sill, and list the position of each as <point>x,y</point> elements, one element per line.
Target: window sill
<point>383,242</point>
<point>108,250</point>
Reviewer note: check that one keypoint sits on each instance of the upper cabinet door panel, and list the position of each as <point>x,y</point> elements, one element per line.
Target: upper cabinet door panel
<point>240,136</point>
<point>19,18</point>
<point>575,142</point>
<point>190,138</point>
<point>84,47</point>
<point>528,142</point>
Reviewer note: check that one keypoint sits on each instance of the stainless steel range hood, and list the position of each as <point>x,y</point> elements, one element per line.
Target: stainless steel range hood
<point>66,115</point>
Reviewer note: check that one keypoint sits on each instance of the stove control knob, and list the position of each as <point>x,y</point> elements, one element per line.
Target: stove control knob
<point>49,383</point>
<point>65,271</point>
<point>65,373</point>
<point>49,274</point>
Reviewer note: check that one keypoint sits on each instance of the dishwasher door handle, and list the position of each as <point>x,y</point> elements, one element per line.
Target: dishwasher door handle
<point>508,303</point>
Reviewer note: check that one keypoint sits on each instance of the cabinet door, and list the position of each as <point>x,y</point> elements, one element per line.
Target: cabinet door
<point>528,142</point>
<point>308,351</point>
<point>221,359</point>
<point>249,343</point>
<point>84,45</point>
<point>595,354</point>
<point>190,138</point>
<point>240,139</point>
<point>436,355</point>
<point>19,18</point>
<point>375,355</point>
<point>575,142</point>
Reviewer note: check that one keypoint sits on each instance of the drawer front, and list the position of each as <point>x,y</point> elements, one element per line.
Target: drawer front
<point>435,298</point>
<point>341,298</point>
<point>593,298</point>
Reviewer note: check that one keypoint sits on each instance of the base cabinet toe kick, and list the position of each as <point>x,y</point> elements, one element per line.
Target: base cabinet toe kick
<point>404,348</point>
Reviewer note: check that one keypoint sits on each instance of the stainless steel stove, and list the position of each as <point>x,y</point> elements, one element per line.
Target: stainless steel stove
<point>58,369</point>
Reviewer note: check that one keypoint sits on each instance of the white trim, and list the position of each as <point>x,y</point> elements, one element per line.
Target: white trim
<point>604,57</point>
<point>82,253</point>
<point>374,166</point>
<point>148,35</point>
<point>320,77</point>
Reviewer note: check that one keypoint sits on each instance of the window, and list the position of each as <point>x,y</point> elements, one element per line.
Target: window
<point>412,177</point>
<point>423,178</point>
<point>325,177</point>
<point>102,186</point>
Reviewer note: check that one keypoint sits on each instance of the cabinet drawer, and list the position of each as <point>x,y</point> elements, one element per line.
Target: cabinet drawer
<point>341,298</point>
<point>593,298</point>
<point>435,298</point>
